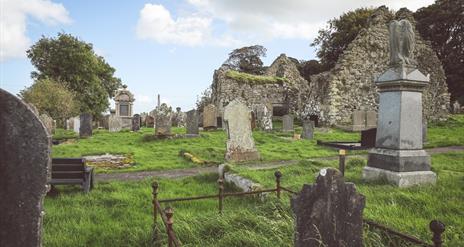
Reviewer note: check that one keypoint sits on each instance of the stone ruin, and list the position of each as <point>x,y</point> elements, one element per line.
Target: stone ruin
<point>333,96</point>
<point>25,147</point>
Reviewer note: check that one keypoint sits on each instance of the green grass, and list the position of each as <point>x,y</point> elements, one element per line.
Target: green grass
<point>255,79</point>
<point>447,133</point>
<point>408,210</point>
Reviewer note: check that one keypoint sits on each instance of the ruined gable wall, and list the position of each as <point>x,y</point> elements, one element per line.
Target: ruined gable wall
<point>351,83</point>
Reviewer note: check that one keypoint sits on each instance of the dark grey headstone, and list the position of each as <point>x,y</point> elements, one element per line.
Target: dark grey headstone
<point>25,169</point>
<point>287,123</point>
<point>308,129</point>
<point>192,122</point>
<point>85,129</point>
<point>136,122</point>
<point>329,212</point>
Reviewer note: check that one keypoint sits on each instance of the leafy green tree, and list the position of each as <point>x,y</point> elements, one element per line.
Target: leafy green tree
<point>247,59</point>
<point>72,62</point>
<point>310,67</point>
<point>338,34</point>
<point>52,98</point>
<point>442,23</point>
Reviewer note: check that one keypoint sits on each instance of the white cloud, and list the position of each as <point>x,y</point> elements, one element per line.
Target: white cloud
<point>13,17</point>
<point>250,21</point>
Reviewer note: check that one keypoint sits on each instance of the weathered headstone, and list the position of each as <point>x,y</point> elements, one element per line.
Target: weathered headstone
<point>371,119</point>
<point>266,120</point>
<point>85,129</point>
<point>150,122</point>
<point>424,131</point>
<point>163,121</point>
<point>398,156</point>
<point>329,212</point>
<point>192,122</point>
<point>358,119</point>
<point>77,124</point>
<point>178,118</point>
<point>70,124</point>
<point>287,123</point>
<point>114,123</point>
<point>48,122</point>
<point>136,122</point>
<point>308,129</point>
<point>209,117</point>
<point>456,107</point>
<point>25,168</point>
<point>240,144</point>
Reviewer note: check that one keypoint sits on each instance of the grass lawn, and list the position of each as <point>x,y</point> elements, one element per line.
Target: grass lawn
<point>164,154</point>
<point>408,210</point>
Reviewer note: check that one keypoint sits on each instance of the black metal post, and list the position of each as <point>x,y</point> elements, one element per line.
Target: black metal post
<point>221,194</point>
<point>169,213</point>
<point>154,185</point>
<point>278,175</point>
<point>437,228</point>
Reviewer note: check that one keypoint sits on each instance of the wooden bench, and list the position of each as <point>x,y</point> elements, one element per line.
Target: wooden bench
<point>72,171</point>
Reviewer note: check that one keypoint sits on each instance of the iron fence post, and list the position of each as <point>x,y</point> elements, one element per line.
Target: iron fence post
<point>437,228</point>
<point>154,186</point>
<point>169,213</point>
<point>221,194</point>
<point>341,163</point>
<point>278,175</point>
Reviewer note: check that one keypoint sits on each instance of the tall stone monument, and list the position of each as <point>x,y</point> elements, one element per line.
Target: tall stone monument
<point>124,101</point>
<point>85,129</point>
<point>192,122</point>
<point>398,156</point>
<point>329,212</point>
<point>209,117</point>
<point>136,122</point>
<point>25,168</point>
<point>240,143</point>
<point>163,121</point>
<point>287,123</point>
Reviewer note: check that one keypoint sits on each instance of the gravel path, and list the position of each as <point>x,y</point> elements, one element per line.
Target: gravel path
<point>187,172</point>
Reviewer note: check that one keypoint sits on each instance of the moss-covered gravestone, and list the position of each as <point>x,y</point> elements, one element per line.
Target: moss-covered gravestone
<point>329,212</point>
<point>25,169</point>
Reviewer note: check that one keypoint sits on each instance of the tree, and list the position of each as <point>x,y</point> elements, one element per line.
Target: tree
<point>308,68</point>
<point>339,33</point>
<point>204,99</point>
<point>442,23</point>
<point>73,63</point>
<point>52,98</point>
<point>247,59</point>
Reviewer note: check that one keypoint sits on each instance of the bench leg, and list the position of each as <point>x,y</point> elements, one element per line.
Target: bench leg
<point>88,180</point>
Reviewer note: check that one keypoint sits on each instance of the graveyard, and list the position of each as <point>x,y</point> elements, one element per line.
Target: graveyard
<point>359,144</point>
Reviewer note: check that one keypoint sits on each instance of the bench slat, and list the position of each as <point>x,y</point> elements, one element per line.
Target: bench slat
<point>68,175</point>
<point>70,167</point>
<point>68,161</point>
<point>66,181</point>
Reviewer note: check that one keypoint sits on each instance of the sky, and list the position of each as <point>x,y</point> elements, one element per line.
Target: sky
<point>169,47</point>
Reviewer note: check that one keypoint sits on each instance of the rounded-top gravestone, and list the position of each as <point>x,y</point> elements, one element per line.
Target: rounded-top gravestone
<point>25,169</point>
<point>85,128</point>
<point>136,120</point>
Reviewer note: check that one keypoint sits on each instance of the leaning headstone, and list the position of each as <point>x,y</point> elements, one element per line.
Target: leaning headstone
<point>329,212</point>
<point>150,122</point>
<point>358,120</point>
<point>192,122</point>
<point>136,122</point>
<point>240,143</point>
<point>48,122</point>
<point>85,129</point>
<point>25,168</point>
<point>163,121</point>
<point>287,123</point>
<point>209,117</point>
<point>114,122</point>
<point>371,119</point>
<point>76,124</point>
<point>308,129</point>
<point>398,156</point>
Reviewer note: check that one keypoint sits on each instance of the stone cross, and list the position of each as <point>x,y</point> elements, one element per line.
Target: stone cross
<point>287,123</point>
<point>209,117</point>
<point>25,169</point>
<point>329,212</point>
<point>240,143</point>
<point>163,121</point>
<point>85,129</point>
<point>136,122</point>
<point>192,122</point>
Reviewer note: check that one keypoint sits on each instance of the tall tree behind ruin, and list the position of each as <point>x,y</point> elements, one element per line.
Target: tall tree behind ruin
<point>73,62</point>
<point>442,23</point>
<point>247,59</point>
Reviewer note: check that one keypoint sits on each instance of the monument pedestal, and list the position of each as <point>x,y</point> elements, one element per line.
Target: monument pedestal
<point>398,156</point>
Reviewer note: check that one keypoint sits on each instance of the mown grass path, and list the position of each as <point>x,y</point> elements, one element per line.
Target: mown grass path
<point>188,172</point>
